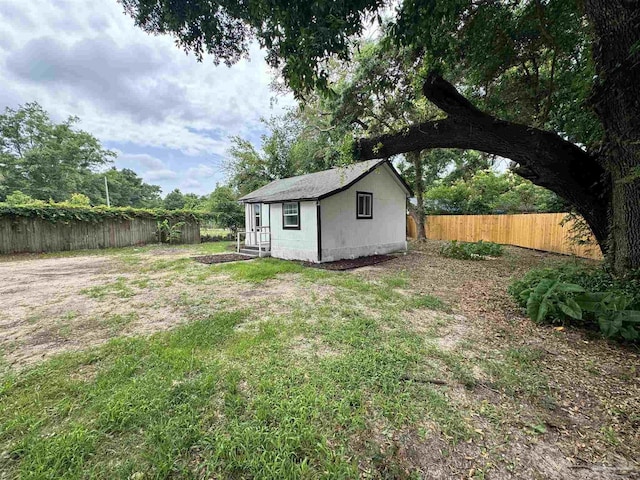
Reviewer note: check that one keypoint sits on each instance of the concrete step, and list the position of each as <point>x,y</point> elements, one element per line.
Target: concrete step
<point>265,247</point>
<point>253,253</point>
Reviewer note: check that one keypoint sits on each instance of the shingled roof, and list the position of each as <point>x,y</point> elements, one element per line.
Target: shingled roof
<point>314,186</point>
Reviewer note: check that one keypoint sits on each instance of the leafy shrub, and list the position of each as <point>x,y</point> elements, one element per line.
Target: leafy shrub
<point>226,237</point>
<point>19,198</point>
<point>587,296</point>
<point>169,233</point>
<point>78,200</point>
<point>471,251</point>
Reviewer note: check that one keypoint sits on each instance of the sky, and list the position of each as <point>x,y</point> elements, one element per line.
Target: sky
<point>168,117</point>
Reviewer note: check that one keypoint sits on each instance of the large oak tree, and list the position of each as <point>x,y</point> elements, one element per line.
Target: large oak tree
<point>507,58</point>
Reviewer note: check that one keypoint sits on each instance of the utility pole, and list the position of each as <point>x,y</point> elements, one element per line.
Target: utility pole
<point>106,189</point>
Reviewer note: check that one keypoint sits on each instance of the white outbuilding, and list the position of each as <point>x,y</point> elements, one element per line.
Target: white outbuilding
<point>341,213</point>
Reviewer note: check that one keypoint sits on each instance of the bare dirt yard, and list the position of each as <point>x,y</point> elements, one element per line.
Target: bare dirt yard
<point>69,303</point>
<point>143,363</point>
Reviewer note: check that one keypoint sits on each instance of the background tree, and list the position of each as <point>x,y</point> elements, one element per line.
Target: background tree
<point>18,198</point>
<point>193,201</point>
<point>487,192</point>
<point>225,208</point>
<point>43,159</point>
<point>78,200</point>
<point>126,189</point>
<point>50,161</point>
<point>294,145</point>
<point>174,200</point>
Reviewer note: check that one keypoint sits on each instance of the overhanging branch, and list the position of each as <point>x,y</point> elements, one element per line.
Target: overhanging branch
<point>548,160</point>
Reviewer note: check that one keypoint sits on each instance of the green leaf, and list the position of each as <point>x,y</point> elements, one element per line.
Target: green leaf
<point>628,316</point>
<point>571,308</point>
<point>569,288</point>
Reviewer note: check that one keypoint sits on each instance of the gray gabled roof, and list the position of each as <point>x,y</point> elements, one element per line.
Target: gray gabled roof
<point>317,185</point>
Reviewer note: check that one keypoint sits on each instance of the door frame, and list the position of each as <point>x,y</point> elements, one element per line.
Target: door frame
<point>254,214</point>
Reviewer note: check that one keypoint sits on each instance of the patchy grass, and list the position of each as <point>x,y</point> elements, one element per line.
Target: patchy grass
<point>429,301</point>
<point>308,374</point>
<point>119,288</point>
<point>207,399</point>
<point>127,254</point>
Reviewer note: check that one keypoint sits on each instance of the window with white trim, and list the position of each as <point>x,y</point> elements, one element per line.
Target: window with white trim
<point>291,215</point>
<point>364,205</point>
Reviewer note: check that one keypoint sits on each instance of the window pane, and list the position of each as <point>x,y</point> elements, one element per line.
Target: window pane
<point>290,215</point>
<point>364,205</point>
<point>290,208</point>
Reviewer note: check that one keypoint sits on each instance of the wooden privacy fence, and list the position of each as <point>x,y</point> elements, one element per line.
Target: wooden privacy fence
<point>540,231</point>
<point>32,234</point>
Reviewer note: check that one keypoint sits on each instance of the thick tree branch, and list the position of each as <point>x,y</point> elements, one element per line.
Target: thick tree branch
<point>545,158</point>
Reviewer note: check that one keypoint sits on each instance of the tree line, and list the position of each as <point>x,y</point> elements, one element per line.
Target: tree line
<point>46,162</point>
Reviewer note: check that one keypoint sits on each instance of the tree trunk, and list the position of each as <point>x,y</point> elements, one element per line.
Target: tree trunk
<point>616,99</point>
<point>418,188</point>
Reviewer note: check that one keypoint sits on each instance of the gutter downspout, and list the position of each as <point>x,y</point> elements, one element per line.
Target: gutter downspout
<point>319,231</point>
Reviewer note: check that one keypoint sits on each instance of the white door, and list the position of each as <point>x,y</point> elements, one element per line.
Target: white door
<point>254,223</point>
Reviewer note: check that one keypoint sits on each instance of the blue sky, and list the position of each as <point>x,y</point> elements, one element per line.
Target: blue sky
<point>167,116</point>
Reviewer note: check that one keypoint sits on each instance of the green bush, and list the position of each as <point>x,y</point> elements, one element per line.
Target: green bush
<point>471,251</point>
<point>64,213</point>
<point>587,296</point>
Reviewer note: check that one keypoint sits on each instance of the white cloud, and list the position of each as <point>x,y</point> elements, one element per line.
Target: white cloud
<point>191,184</point>
<point>155,175</point>
<point>201,171</point>
<point>126,86</point>
<point>144,160</point>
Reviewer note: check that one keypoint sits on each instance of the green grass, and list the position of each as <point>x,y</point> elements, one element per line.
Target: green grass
<point>119,288</point>
<point>297,396</point>
<point>214,232</point>
<point>214,247</point>
<point>259,270</point>
<point>234,404</point>
<point>429,301</point>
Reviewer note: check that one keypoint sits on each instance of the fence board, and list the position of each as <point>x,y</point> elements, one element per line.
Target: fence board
<point>540,231</point>
<point>34,235</point>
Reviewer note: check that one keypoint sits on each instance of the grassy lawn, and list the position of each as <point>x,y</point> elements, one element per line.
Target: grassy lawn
<point>307,374</point>
<point>214,231</point>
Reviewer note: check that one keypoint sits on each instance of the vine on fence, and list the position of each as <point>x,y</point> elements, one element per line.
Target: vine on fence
<point>55,213</point>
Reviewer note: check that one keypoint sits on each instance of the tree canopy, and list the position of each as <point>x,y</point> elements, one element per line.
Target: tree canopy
<point>52,161</point>
<point>44,159</point>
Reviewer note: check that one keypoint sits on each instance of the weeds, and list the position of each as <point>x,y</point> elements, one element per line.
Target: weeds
<point>118,288</point>
<point>471,251</point>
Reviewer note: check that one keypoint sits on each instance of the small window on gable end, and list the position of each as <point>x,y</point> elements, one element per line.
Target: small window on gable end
<point>364,205</point>
<point>291,215</point>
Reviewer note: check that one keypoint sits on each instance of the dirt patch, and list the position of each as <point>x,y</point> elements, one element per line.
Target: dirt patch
<point>312,348</point>
<point>50,306</point>
<point>221,258</point>
<point>350,264</point>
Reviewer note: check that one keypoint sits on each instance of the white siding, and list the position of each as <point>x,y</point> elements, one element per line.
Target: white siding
<point>295,244</point>
<point>345,236</point>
